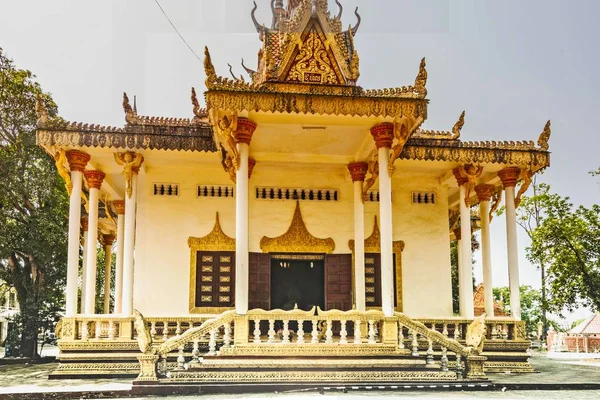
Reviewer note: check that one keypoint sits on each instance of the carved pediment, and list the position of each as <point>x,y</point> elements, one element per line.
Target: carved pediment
<point>216,240</point>
<point>297,239</point>
<point>373,242</point>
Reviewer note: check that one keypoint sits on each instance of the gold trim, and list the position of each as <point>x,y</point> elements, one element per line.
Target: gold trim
<point>297,239</point>
<point>373,245</point>
<point>216,240</point>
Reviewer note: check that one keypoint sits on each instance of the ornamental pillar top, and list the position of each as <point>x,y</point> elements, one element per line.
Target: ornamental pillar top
<point>77,160</point>
<point>460,178</point>
<point>94,178</point>
<point>484,192</point>
<point>509,176</point>
<point>245,130</point>
<point>383,134</point>
<point>108,240</point>
<point>358,170</point>
<point>119,206</point>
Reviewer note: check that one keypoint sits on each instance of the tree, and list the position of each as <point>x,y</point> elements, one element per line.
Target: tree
<point>454,271</point>
<point>531,300</point>
<point>33,208</point>
<point>568,242</point>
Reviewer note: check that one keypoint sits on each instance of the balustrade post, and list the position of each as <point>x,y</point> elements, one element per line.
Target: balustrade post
<point>343,333</point>
<point>257,331</point>
<point>400,336</point>
<point>285,334</point>
<point>227,335</point>
<point>315,331</point>
<point>271,332</point>
<point>474,365</point>
<point>357,332</point>
<point>196,352</point>
<point>212,343</point>
<point>444,359</point>
<point>300,333</point>
<point>371,332</point>
<point>111,329</point>
<point>84,330</point>
<point>180,359</point>
<point>178,329</point>
<point>153,330</point>
<point>165,335</point>
<point>415,344</point>
<point>445,330</point>
<point>329,333</point>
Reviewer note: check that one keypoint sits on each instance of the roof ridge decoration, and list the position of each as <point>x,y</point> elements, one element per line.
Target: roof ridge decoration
<point>442,135</point>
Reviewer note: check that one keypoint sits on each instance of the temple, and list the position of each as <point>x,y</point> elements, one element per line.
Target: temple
<point>297,215</point>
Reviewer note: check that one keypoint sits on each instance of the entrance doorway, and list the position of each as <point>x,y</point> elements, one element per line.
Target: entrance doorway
<point>300,282</point>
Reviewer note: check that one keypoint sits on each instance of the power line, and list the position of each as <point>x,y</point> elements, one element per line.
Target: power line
<point>176,30</point>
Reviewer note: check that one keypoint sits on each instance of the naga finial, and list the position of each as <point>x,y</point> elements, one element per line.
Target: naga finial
<point>209,69</point>
<point>341,8</point>
<point>250,72</point>
<point>359,19</point>
<point>458,126</point>
<point>259,28</point>
<point>421,80</point>
<point>235,78</point>
<point>545,137</point>
<point>198,112</point>
<point>129,111</point>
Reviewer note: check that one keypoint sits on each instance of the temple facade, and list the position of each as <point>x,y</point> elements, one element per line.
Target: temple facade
<point>291,192</point>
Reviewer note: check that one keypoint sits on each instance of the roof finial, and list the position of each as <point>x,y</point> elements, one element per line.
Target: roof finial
<point>250,72</point>
<point>341,8</point>
<point>545,137</point>
<point>259,28</point>
<point>135,104</point>
<point>199,113</point>
<point>421,80</point>
<point>241,78</point>
<point>359,19</point>
<point>458,126</point>
<point>209,69</point>
<point>130,114</point>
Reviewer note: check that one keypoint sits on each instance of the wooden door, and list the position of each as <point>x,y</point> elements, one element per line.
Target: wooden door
<point>259,293</point>
<point>338,282</point>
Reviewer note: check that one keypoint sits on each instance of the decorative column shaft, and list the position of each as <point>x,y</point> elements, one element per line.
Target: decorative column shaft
<point>384,137</point>
<point>120,209</point>
<point>484,193</point>
<point>243,136</point>
<point>84,227</point>
<point>94,179</point>
<point>358,170</point>
<point>509,177</point>
<point>77,162</point>
<point>467,308</point>
<point>107,242</point>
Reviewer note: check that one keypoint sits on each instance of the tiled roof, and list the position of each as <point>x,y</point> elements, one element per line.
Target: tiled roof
<point>590,326</point>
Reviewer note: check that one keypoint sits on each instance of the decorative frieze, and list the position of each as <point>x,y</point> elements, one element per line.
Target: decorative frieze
<point>271,193</point>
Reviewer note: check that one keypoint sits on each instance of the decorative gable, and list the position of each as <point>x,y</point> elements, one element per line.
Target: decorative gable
<point>313,62</point>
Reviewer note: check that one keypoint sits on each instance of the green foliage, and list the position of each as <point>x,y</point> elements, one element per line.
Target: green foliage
<point>531,301</point>
<point>568,242</point>
<point>33,207</point>
<point>454,271</point>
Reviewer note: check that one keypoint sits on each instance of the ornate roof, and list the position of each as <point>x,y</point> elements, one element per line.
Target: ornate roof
<point>140,132</point>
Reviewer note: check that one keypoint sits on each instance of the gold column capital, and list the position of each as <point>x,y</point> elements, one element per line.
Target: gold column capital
<point>244,131</point>
<point>77,160</point>
<point>119,206</point>
<point>94,178</point>
<point>358,170</point>
<point>485,191</point>
<point>383,134</point>
<point>509,176</point>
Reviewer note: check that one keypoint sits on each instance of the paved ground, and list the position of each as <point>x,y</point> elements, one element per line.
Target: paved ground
<point>34,379</point>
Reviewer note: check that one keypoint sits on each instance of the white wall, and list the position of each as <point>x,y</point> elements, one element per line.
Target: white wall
<point>165,223</point>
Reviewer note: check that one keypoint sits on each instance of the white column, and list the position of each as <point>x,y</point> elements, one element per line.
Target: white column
<point>120,208</point>
<point>466,277</point>
<point>94,179</point>
<point>241,232</point>
<point>243,136</point>
<point>107,242</point>
<point>358,171</point>
<point>84,224</point>
<point>385,212</point>
<point>509,177</point>
<point>129,243</point>
<point>77,161</point>
<point>484,193</point>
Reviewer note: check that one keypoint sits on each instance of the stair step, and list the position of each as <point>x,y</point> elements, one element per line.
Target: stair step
<point>309,363</point>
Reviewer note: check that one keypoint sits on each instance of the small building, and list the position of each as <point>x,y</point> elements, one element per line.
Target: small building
<point>583,338</point>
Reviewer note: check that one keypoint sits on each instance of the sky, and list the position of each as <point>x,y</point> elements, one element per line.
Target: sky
<point>511,64</point>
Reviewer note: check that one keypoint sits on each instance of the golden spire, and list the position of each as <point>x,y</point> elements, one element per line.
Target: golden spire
<point>421,80</point>
<point>209,69</point>
<point>544,137</point>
